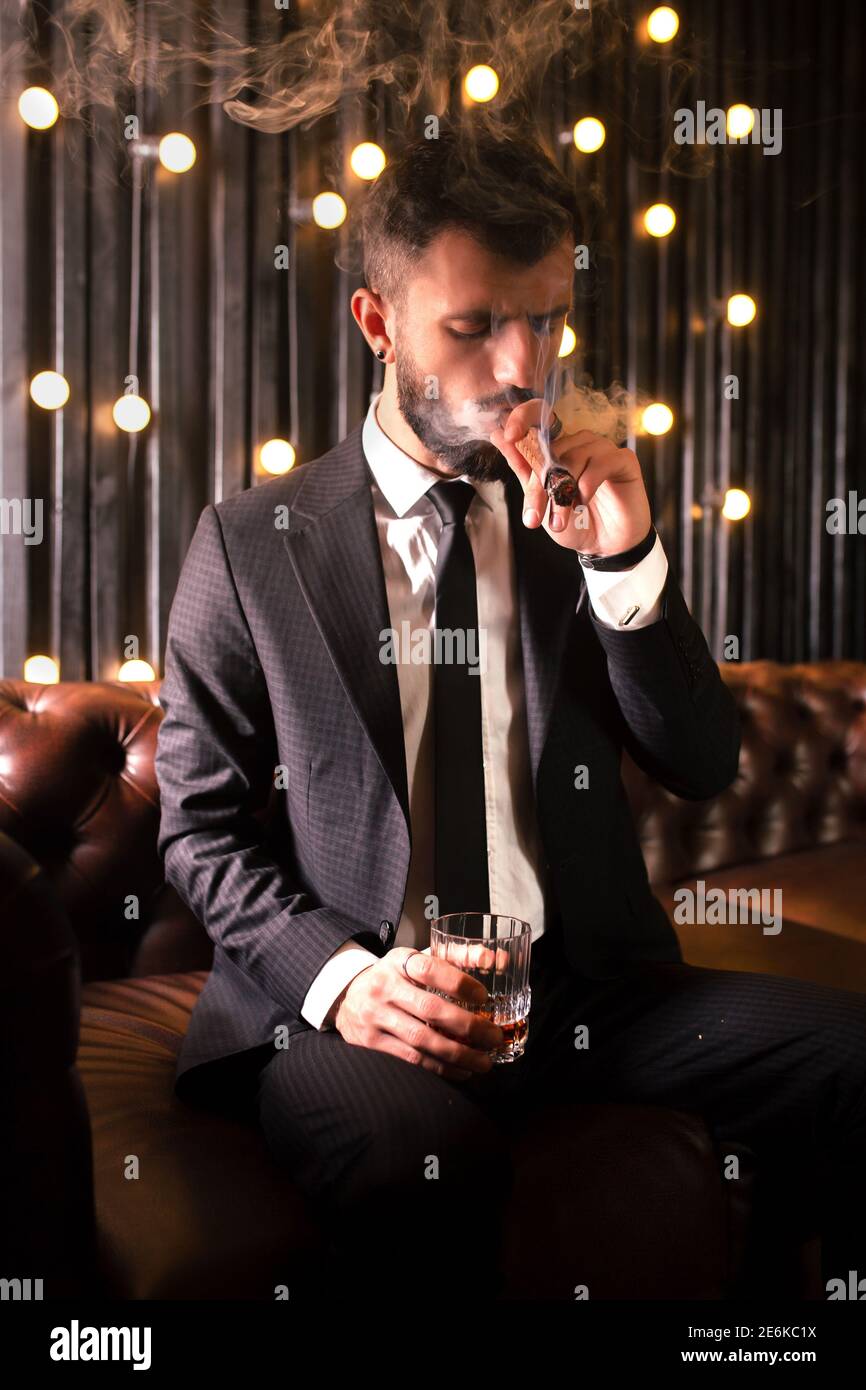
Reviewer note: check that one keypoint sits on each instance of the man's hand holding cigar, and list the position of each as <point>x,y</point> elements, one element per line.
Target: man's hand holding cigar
<point>594,499</point>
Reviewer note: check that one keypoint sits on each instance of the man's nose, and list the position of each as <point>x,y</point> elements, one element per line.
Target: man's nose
<point>519,356</point>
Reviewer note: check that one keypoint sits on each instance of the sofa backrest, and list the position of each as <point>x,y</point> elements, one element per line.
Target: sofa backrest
<point>801,780</point>
<point>78,792</point>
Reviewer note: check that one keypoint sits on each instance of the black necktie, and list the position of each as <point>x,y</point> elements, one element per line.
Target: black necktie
<point>461,870</point>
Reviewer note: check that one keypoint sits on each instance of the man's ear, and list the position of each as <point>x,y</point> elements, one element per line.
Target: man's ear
<point>368,308</point>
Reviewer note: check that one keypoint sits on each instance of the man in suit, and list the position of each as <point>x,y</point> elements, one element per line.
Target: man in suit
<point>400,790</point>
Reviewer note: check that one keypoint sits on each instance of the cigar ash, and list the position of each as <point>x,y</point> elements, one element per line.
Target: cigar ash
<point>558,483</point>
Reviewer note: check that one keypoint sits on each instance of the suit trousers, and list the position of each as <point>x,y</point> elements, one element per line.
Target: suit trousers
<point>410,1173</point>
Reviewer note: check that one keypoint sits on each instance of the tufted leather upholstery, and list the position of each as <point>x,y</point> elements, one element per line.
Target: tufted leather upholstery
<point>794,820</point>
<point>76,763</point>
<point>801,780</point>
<point>78,821</point>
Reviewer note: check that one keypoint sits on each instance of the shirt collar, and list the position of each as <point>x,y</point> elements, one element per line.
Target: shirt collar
<point>402,479</point>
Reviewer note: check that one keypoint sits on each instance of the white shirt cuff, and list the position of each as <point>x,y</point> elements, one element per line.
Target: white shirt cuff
<point>627,599</point>
<point>347,961</point>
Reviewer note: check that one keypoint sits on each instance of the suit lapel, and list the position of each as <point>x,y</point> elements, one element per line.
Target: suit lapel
<point>334,549</point>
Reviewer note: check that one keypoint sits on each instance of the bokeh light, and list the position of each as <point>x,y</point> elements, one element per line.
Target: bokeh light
<point>660,219</point>
<point>50,390</point>
<point>38,108</point>
<point>176,152</point>
<point>737,504</point>
<point>589,134</point>
<point>329,210</point>
<point>277,456</point>
<point>481,83</point>
<point>657,418</point>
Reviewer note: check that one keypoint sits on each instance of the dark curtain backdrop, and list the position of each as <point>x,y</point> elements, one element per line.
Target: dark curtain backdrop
<point>176,275</point>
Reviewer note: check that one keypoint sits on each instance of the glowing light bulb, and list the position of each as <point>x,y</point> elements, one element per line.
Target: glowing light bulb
<point>277,456</point>
<point>367,160</point>
<point>657,418</point>
<point>50,390</point>
<point>176,152</point>
<point>739,120</point>
<point>135,670</point>
<point>569,341</point>
<point>737,504</point>
<point>660,219</point>
<point>481,83</point>
<point>329,210</point>
<point>741,309</point>
<point>38,108</point>
<point>589,134</point>
<point>130,413</point>
<point>662,24</point>
<point>42,670</point>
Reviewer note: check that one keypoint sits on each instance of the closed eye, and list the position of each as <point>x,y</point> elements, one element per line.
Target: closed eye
<point>542,325</point>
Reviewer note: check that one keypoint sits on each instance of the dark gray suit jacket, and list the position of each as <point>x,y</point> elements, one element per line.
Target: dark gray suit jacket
<point>272,658</point>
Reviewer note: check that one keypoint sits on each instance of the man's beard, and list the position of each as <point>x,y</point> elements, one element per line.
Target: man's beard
<point>433,424</point>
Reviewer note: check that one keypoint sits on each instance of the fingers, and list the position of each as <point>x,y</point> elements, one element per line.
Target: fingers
<point>464,1022</point>
<point>535,412</point>
<point>474,1028</point>
<point>417,1042</point>
<point>535,498</point>
<point>434,973</point>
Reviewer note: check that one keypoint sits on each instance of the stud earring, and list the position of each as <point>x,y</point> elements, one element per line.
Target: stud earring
<point>380,353</point>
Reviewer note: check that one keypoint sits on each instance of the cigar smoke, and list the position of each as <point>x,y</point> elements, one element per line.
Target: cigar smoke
<point>612,412</point>
<point>301,61</point>
<point>288,66</point>
<point>296,61</point>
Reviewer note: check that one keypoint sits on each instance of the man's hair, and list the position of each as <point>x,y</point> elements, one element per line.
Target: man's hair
<point>504,190</point>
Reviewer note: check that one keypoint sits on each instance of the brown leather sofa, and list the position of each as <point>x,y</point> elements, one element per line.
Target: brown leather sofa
<point>114,1188</point>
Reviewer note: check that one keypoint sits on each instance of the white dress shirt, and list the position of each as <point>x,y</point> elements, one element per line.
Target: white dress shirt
<point>408,527</point>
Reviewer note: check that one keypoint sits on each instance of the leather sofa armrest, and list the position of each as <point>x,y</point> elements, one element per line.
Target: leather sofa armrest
<point>46,1167</point>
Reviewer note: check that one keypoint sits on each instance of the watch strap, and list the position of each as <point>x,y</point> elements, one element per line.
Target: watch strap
<point>625,559</point>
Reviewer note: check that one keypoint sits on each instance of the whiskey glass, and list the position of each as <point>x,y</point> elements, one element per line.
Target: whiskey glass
<point>494,949</point>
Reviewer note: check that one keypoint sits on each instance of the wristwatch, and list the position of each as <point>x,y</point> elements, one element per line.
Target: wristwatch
<point>626,558</point>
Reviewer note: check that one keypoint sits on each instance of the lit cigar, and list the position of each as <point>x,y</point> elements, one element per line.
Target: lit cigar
<point>557,482</point>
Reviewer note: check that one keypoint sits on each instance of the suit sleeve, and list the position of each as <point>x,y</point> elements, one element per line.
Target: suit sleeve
<point>681,721</point>
<point>215,761</point>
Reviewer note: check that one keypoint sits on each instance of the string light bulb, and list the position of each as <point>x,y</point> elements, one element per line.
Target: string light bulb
<point>569,341</point>
<point>42,670</point>
<point>176,152</point>
<point>739,121</point>
<point>657,418</point>
<point>136,670</point>
<point>737,504</point>
<point>329,210</point>
<point>741,310</point>
<point>662,24</point>
<point>481,83</point>
<point>660,219</point>
<point>589,134</point>
<point>131,413</point>
<point>50,390</point>
<point>367,160</point>
<point>277,456</point>
<point>38,108</point>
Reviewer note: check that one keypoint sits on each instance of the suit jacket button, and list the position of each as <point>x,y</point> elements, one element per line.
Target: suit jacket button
<point>385,929</point>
